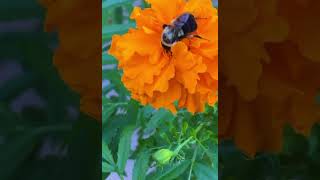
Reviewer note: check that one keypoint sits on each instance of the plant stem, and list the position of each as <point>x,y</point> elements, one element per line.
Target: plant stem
<point>176,151</point>
<point>118,104</point>
<point>192,163</point>
<point>198,129</point>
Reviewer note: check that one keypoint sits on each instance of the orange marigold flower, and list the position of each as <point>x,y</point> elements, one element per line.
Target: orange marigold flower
<point>247,108</point>
<point>269,59</point>
<point>189,75</point>
<point>78,24</point>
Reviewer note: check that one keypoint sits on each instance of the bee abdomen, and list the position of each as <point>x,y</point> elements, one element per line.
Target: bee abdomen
<point>190,25</point>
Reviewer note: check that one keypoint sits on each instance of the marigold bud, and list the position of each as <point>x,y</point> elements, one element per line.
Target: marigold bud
<point>163,156</point>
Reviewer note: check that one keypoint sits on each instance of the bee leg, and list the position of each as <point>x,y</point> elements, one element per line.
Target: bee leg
<point>167,52</point>
<point>197,36</point>
<point>197,18</point>
<point>189,44</point>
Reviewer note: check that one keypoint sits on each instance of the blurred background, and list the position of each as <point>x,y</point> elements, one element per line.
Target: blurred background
<point>42,132</point>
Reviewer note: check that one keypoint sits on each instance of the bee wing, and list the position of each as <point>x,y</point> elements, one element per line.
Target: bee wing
<point>181,20</point>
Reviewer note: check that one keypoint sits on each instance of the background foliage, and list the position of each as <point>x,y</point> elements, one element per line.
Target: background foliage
<point>182,146</point>
<point>42,133</point>
<point>299,159</point>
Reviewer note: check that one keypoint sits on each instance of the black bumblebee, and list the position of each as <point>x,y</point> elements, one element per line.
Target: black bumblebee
<point>180,28</point>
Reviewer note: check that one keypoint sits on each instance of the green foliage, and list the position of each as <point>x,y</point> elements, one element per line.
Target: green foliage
<point>204,172</point>
<point>141,166</point>
<point>191,140</point>
<point>124,148</point>
<point>299,159</point>
<point>171,171</point>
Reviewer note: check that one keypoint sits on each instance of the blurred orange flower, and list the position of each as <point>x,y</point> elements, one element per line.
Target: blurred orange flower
<point>189,76</point>
<point>244,114</point>
<point>78,57</point>
<point>268,59</point>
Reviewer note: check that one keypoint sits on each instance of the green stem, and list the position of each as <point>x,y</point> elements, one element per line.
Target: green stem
<point>204,148</point>
<point>198,129</point>
<point>176,151</point>
<point>192,163</point>
<point>118,104</point>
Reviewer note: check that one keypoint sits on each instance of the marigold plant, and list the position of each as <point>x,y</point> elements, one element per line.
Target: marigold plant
<point>188,75</point>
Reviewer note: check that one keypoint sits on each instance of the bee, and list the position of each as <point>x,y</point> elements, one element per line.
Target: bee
<point>180,28</point>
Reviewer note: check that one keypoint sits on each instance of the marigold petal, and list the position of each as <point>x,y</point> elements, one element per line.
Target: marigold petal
<point>162,81</point>
<point>136,41</point>
<point>190,104</point>
<point>146,19</point>
<point>167,98</point>
<point>212,67</point>
<point>188,65</point>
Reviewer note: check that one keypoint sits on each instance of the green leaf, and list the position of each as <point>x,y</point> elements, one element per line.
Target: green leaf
<point>141,166</point>
<point>107,59</point>
<point>104,176</point>
<point>111,3</point>
<point>106,154</point>
<point>107,168</point>
<point>133,109</point>
<point>107,112</point>
<point>160,116</point>
<point>171,171</point>
<point>109,30</point>
<point>124,148</point>
<point>113,76</point>
<point>204,172</point>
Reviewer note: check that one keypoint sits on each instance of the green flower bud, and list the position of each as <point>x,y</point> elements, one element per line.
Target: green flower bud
<point>163,156</point>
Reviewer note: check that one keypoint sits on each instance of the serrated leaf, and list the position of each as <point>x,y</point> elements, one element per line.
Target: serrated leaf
<point>107,168</point>
<point>104,176</point>
<point>133,109</point>
<point>124,148</point>
<point>160,116</point>
<point>141,166</point>
<point>204,172</point>
<point>171,171</point>
<point>107,112</point>
<point>106,154</point>
<point>113,76</point>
